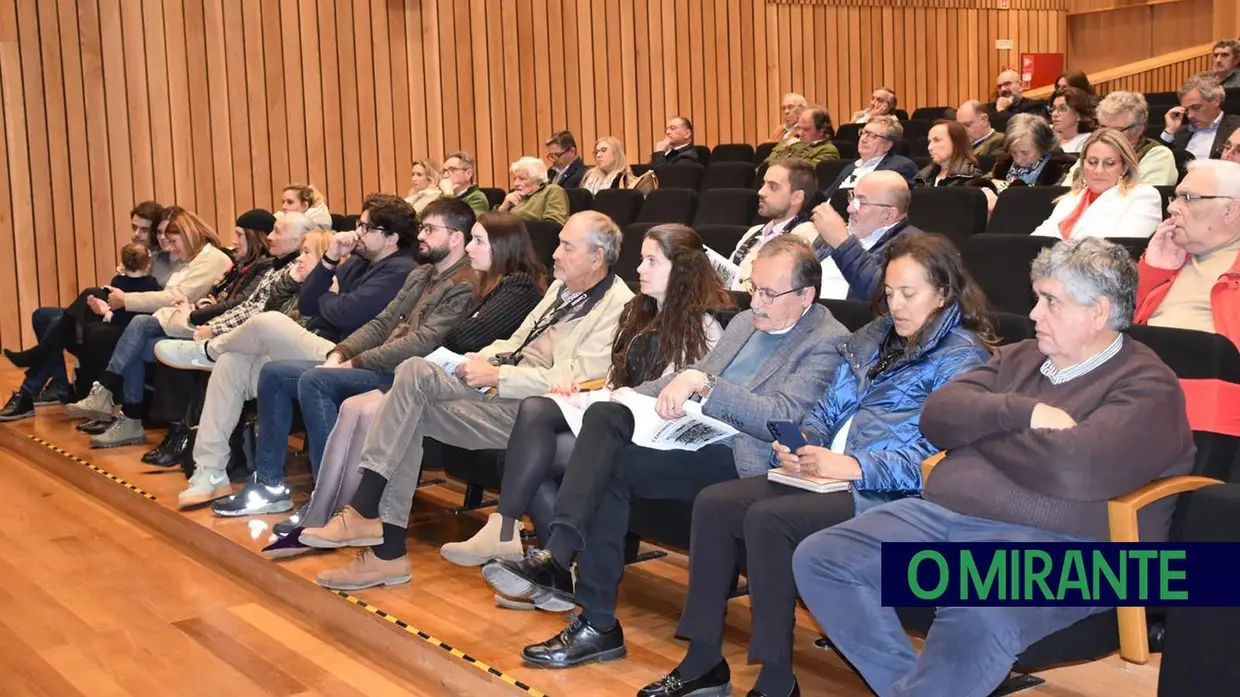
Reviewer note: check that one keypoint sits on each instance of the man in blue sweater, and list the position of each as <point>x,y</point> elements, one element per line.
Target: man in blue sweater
<point>340,296</point>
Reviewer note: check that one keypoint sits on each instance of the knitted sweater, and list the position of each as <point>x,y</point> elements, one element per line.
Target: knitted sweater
<point>192,279</point>
<point>495,316</point>
<point>1131,428</point>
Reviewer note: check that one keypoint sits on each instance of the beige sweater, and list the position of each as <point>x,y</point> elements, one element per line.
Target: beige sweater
<point>193,279</point>
<point>581,351</point>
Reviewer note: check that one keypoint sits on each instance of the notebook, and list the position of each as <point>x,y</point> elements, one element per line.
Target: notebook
<point>820,485</point>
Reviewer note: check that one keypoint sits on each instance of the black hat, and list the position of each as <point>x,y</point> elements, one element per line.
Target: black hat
<point>257,219</point>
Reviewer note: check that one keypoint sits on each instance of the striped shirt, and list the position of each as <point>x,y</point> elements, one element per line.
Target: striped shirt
<point>1059,377</point>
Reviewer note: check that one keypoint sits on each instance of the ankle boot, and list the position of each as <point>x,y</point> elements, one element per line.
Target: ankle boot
<point>486,545</point>
<point>171,449</point>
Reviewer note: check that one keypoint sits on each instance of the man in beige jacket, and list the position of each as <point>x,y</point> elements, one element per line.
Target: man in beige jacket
<point>565,340</point>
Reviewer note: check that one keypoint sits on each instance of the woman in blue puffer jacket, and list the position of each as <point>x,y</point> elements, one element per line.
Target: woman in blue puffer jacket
<point>931,325</point>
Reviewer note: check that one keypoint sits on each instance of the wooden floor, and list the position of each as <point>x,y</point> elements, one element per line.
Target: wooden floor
<point>449,603</point>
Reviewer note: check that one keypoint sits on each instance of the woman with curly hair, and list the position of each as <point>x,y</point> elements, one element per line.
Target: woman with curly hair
<point>670,324</point>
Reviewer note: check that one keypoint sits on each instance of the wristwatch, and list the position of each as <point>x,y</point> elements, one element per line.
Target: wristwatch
<point>710,385</point>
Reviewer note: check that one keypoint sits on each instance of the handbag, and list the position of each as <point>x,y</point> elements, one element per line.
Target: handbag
<point>647,182</point>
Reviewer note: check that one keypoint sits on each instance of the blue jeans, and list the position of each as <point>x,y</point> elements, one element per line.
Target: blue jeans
<point>969,650</point>
<point>54,370</point>
<point>280,385</point>
<point>320,393</point>
<point>135,349</point>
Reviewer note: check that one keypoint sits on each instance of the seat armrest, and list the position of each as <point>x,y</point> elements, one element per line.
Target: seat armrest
<point>590,385</point>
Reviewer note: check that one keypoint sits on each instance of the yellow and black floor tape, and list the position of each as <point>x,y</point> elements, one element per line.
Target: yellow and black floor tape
<point>97,470</point>
<point>439,644</point>
<point>356,601</point>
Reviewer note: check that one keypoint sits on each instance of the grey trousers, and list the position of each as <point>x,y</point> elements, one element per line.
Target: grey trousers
<point>426,402</point>
<point>242,353</point>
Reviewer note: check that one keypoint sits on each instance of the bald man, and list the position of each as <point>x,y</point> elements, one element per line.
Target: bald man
<point>976,121</point>
<point>1011,100</point>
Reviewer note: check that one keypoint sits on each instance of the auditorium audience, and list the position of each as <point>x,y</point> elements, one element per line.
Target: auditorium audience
<point>566,339</point>
<point>1032,155</point>
<point>1107,197</point>
<point>1198,124</point>
<point>377,267</point>
<point>931,326</point>
<point>511,281</point>
<point>423,185</point>
<point>1190,272</point>
<point>789,109</point>
<point>851,252</point>
<point>1037,441</point>
<point>670,325</point>
<point>874,144</point>
<point>430,305</point>
<point>976,121</point>
<point>811,139</point>
<point>611,169</point>
<point>882,103</point>
<point>1127,112</point>
<point>566,168</point>
<point>788,189</point>
<point>677,144</point>
<point>1011,99</point>
<point>1072,116</point>
<point>458,181</point>
<point>1227,63</point>
<point>1077,79</point>
<point>126,373</point>
<point>532,196</point>
<point>306,199</point>
<point>952,162</point>
<point>771,363</point>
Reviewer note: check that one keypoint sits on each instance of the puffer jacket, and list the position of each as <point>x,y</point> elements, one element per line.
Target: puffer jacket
<point>885,436</point>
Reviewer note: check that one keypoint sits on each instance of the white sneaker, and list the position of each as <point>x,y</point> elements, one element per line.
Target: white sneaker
<point>182,354</point>
<point>207,484</point>
<point>97,405</point>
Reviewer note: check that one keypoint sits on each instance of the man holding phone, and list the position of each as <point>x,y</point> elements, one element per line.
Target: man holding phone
<point>1199,124</point>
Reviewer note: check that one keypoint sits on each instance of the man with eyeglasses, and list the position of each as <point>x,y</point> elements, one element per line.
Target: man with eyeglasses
<point>458,181</point>
<point>1190,272</point>
<point>976,121</point>
<point>852,251</point>
<point>874,153</point>
<point>1199,124</point>
<point>340,295</point>
<point>1127,112</point>
<point>771,363</point>
<point>566,167</point>
<point>1011,99</point>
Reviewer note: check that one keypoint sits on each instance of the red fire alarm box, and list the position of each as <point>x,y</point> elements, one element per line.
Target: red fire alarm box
<point>1040,69</point>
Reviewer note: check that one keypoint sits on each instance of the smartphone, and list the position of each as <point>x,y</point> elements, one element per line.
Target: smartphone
<point>787,434</point>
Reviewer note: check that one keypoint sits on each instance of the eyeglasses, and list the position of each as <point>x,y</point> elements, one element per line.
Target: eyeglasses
<point>364,227</point>
<point>852,198</point>
<point>872,134</point>
<point>1099,163</point>
<point>765,295</point>
<point>1191,198</point>
<point>430,229</point>
<point>1061,109</point>
<point>454,170</point>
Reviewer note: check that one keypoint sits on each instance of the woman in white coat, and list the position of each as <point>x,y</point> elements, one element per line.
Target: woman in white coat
<point>1107,198</point>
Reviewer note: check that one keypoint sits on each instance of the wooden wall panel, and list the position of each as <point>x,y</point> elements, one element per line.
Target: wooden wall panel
<point>217,104</point>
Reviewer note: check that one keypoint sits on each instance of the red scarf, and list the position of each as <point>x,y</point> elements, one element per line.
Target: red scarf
<point>1067,224</point>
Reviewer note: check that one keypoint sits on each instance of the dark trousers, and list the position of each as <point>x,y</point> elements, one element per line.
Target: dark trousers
<point>634,472</point>
<point>537,456</point>
<point>52,369</point>
<point>756,525</point>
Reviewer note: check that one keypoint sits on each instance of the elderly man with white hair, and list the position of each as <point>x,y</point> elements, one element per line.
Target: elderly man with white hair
<point>566,340</point>
<point>1127,112</point>
<point>789,109</point>
<point>1037,440</point>
<point>1190,273</point>
<point>533,197</point>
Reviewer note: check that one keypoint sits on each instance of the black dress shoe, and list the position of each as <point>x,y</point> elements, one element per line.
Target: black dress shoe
<point>54,393</point>
<point>535,575</point>
<point>796,691</point>
<point>19,406</point>
<point>579,643</point>
<point>95,426</point>
<point>169,452</point>
<point>716,683</point>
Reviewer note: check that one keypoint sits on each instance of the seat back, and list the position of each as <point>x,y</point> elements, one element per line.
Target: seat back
<point>762,152</point>
<point>727,206</point>
<point>721,238</point>
<point>915,129</point>
<point>545,236</point>
<point>1011,328</point>
<point>703,154</point>
<point>829,170</point>
<point>666,205</point>
<point>681,175</point>
<point>1021,209</point>
<point>621,205</point>
<point>931,114</point>
<point>849,131</point>
<point>1000,265</point>
<point>579,200</point>
<point>733,174</point>
<point>853,314</point>
<point>732,152</point>
<point>494,195</point>
<point>847,149</point>
<point>956,212</point>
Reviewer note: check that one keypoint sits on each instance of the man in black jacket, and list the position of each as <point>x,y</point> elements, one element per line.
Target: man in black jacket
<point>677,144</point>
<point>566,166</point>
<point>1199,125</point>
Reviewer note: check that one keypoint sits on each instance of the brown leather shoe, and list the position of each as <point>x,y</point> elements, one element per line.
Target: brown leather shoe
<point>366,571</point>
<point>345,529</point>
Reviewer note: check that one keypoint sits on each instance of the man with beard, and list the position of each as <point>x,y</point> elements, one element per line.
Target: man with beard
<point>431,303</point>
<point>788,189</point>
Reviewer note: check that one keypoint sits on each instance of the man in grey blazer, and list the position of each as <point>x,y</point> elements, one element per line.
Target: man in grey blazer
<point>770,364</point>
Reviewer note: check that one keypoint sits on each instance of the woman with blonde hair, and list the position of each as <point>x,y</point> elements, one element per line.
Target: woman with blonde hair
<point>305,198</point>
<point>1107,197</point>
<point>611,168</point>
<point>423,185</point>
